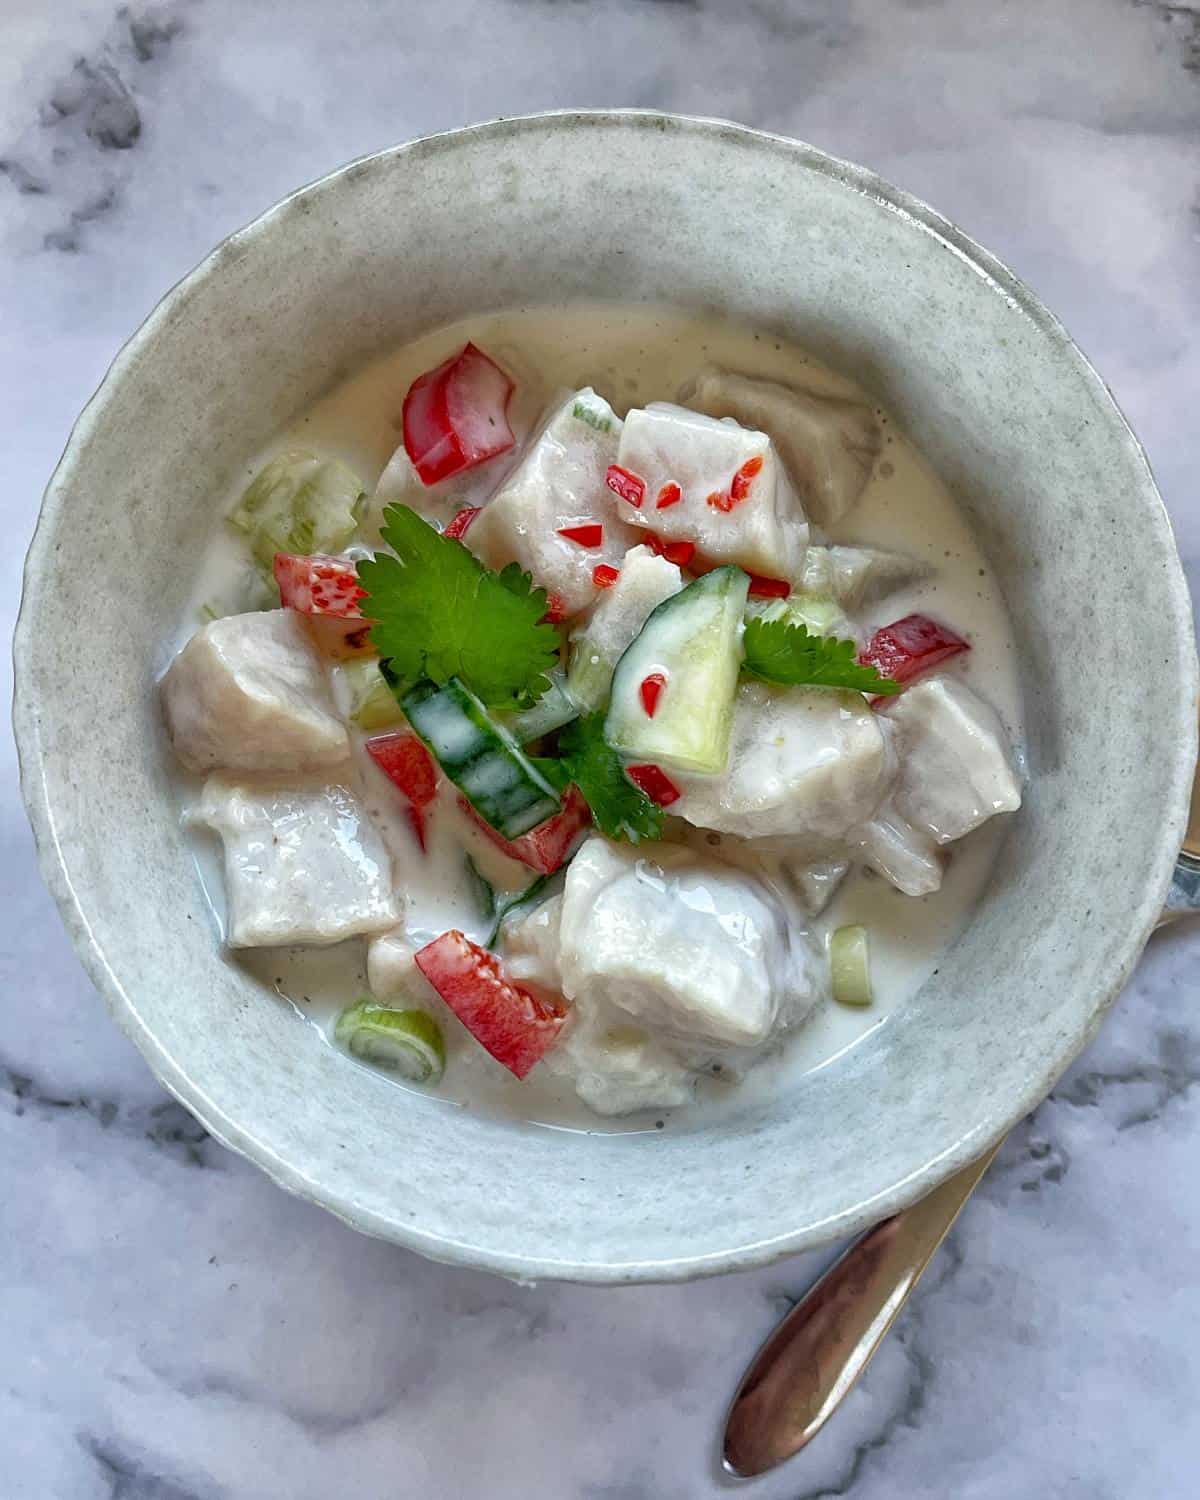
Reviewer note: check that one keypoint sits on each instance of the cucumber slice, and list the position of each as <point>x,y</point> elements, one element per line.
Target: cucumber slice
<point>552,710</point>
<point>299,503</point>
<point>693,643</point>
<point>407,1042</point>
<point>480,757</point>
<point>373,705</point>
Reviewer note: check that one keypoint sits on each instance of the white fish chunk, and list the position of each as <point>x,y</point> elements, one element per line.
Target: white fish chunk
<point>956,768</point>
<point>615,1065</point>
<point>688,948</point>
<point>902,854</point>
<point>855,576</point>
<point>558,484</point>
<point>806,765</point>
<point>392,972</point>
<point>247,693</point>
<point>829,443</point>
<point>765,531</point>
<point>597,645</point>
<point>303,862</point>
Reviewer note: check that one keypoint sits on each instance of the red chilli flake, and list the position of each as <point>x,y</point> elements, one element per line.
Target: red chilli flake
<point>680,553</point>
<point>585,536</point>
<point>742,480</point>
<point>670,494</point>
<point>460,523</point>
<point>604,577</point>
<point>651,691</point>
<point>769,588</point>
<point>655,782</point>
<point>556,610</point>
<point>721,500</point>
<point>629,486</point>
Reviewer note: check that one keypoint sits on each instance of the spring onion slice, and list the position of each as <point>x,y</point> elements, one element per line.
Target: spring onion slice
<point>407,1042</point>
<point>849,964</point>
<point>373,705</point>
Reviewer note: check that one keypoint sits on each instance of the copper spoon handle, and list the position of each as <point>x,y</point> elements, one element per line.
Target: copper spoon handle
<point>800,1375</point>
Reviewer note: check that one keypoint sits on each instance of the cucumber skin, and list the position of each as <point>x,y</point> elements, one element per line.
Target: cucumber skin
<point>651,743</point>
<point>521,797</point>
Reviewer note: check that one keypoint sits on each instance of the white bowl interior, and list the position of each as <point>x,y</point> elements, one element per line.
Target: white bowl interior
<point>624,208</point>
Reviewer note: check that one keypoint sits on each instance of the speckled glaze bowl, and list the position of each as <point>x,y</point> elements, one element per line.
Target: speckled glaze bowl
<point>618,206</point>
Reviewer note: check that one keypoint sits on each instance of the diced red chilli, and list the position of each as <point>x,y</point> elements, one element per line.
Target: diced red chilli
<point>908,647</point>
<point>585,536</point>
<point>670,494</point>
<point>546,847</point>
<point>460,524</point>
<point>769,588</point>
<point>742,480</point>
<point>626,484</point>
<point>651,691</point>
<point>721,500</point>
<point>655,782</point>
<point>604,576</point>
<point>680,553</point>
<point>516,1027</point>
<point>556,609</point>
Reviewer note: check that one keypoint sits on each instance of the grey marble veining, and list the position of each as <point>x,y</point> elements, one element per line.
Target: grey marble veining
<point>174,1327</point>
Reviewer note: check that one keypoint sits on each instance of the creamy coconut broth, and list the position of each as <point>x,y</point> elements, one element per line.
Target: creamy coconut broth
<point>631,358</point>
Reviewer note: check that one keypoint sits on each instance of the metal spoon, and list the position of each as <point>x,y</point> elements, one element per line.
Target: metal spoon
<point>800,1375</point>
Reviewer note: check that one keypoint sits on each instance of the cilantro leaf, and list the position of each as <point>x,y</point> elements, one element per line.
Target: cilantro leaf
<point>619,808</point>
<point>437,612</point>
<point>780,651</point>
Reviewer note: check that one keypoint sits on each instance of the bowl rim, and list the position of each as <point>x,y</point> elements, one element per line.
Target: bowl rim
<point>72,905</point>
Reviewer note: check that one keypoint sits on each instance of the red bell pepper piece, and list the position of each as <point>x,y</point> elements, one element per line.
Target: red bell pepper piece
<point>514,1026</point>
<point>404,760</point>
<point>460,523</point>
<point>604,577</point>
<point>655,782</point>
<point>546,847</point>
<point>670,494</point>
<point>456,416</point>
<point>319,585</point>
<point>908,647</point>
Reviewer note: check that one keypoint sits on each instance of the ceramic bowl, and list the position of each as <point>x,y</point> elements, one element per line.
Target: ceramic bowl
<point>623,207</point>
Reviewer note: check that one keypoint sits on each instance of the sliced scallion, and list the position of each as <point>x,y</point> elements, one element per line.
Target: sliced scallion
<point>849,964</point>
<point>373,705</point>
<point>407,1042</point>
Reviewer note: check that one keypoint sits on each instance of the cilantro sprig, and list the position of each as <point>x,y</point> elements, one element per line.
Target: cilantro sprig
<point>620,809</point>
<point>780,651</point>
<point>437,612</point>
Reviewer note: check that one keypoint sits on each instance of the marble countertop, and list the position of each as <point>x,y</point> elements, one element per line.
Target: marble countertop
<point>173,1326</point>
